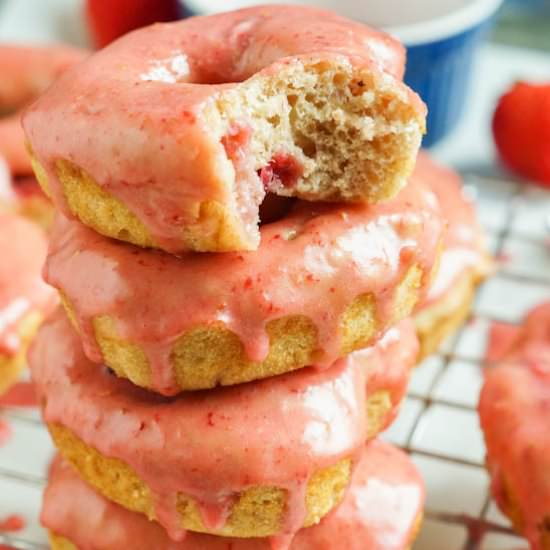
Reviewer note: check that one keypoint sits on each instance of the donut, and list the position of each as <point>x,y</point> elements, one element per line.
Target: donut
<point>513,410</point>
<point>24,297</point>
<point>171,136</point>
<point>464,261</point>
<point>26,73</point>
<point>31,202</point>
<point>368,518</point>
<point>253,460</point>
<point>200,320</point>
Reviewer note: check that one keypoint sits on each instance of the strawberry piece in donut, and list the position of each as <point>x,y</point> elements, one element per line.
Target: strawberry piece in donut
<point>513,411</point>
<point>253,460</point>
<point>200,320</point>
<point>26,73</point>
<point>24,297</point>
<point>464,261</point>
<point>381,510</point>
<point>171,136</point>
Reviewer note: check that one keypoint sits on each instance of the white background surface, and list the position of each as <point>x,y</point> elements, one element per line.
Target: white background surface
<point>438,423</point>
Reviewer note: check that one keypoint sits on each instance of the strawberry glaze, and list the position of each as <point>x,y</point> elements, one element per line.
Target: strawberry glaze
<point>275,432</point>
<point>464,248</point>
<point>132,115</point>
<point>26,73</point>
<point>23,250</point>
<point>514,409</point>
<point>379,512</point>
<point>298,270</point>
<point>20,395</point>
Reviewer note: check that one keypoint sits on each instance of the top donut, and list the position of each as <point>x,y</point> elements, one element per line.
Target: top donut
<point>172,136</point>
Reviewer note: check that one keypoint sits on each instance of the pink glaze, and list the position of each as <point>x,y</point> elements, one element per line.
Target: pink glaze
<point>132,115</point>
<point>19,395</point>
<point>5,432</point>
<point>23,250</point>
<point>378,513</point>
<point>12,524</point>
<point>502,337</point>
<point>211,445</point>
<point>514,409</point>
<point>298,270</point>
<point>26,73</point>
<point>464,246</point>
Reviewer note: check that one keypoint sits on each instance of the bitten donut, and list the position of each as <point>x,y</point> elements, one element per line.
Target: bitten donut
<point>25,72</point>
<point>327,279</point>
<point>381,510</point>
<point>171,136</point>
<point>464,261</point>
<point>252,460</point>
<point>24,297</point>
<point>513,410</point>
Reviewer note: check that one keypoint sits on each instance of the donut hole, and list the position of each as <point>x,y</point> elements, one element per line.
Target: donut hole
<point>274,208</point>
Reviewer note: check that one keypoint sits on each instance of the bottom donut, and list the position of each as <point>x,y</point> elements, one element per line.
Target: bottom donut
<point>382,510</point>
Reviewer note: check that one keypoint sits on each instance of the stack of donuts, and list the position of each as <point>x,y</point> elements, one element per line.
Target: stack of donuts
<point>239,247</point>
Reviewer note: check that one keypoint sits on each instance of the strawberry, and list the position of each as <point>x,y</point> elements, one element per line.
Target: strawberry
<point>521,130</point>
<point>110,19</point>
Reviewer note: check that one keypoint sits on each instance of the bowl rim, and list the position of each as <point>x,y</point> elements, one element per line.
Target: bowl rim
<point>444,26</point>
<point>411,34</point>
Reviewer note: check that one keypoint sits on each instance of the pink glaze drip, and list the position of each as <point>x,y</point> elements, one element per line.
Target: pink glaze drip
<point>378,513</point>
<point>6,432</point>
<point>20,395</point>
<point>163,161</point>
<point>298,270</point>
<point>514,409</point>
<point>501,339</point>
<point>12,524</point>
<point>275,432</point>
<point>23,250</point>
<point>464,247</point>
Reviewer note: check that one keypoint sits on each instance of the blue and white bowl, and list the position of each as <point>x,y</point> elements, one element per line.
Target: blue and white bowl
<point>441,37</point>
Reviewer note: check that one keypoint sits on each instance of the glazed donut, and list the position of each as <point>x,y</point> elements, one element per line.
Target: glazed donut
<point>200,320</point>
<point>171,136</point>
<point>464,261</point>
<point>25,73</point>
<point>367,519</point>
<point>252,460</point>
<point>513,410</point>
<point>24,297</point>
<point>31,202</point>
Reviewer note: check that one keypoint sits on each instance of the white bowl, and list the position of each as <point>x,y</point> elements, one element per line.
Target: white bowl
<point>412,21</point>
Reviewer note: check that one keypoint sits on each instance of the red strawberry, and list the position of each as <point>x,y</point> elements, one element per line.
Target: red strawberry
<point>521,129</point>
<point>110,19</point>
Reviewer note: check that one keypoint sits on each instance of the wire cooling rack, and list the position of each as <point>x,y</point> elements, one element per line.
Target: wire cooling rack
<point>438,424</point>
